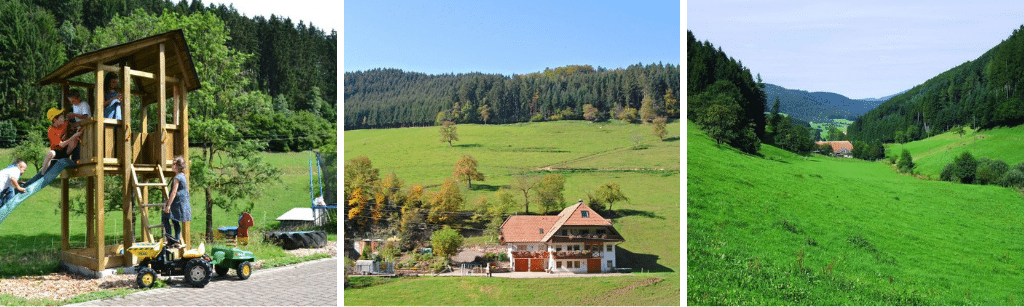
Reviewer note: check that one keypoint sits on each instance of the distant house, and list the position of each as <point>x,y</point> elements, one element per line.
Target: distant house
<point>577,240</point>
<point>839,148</point>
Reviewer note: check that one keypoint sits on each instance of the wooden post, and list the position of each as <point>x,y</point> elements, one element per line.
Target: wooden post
<point>183,129</point>
<point>97,186</point>
<point>90,213</point>
<point>162,100</point>
<point>128,237</point>
<point>65,231</point>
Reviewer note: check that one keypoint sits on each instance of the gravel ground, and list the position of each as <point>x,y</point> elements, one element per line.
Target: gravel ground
<point>63,286</point>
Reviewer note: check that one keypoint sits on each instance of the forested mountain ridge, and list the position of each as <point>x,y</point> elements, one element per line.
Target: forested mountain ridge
<point>387,97</point>
<point>982,93</point>
<point>818,106</point>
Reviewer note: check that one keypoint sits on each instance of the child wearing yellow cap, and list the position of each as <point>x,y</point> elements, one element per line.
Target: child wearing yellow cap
<point>59,148</point>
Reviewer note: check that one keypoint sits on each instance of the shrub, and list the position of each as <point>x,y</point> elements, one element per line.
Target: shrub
<point>947,172</point>
<point>906,163</point>
<point>1013,178</point>
<point>438,264</point>
<point>990,171</point>
<point>965,167</point>
<point>537,118</point>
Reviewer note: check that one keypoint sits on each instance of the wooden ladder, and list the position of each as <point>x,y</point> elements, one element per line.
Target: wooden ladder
<point>147,233</point>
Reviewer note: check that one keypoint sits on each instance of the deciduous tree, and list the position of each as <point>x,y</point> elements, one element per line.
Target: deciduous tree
<point>590,112</point>
<point>610,193</point>
<point>658,127</point>
<point>449,133</point>
<point>525,183</point>
<point>445,203</point>
<point>485,113</point>
<point>466,170</point>
<point>549,192</point>
<point>446,242</point>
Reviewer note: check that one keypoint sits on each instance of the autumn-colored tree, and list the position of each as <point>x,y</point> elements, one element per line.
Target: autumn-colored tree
<point>357,205</point>
<point>449,133</point>
<point>589,112</point>
<point>647,111</point>
<point>465,169</point>
<point>658,127</point>
<point>609,193</point>
<point>549,192</point>
<point>671,103</point>
<point>445,202</point>
<point>524,183</point>
<point>485,113</point>
<point>359,173</point>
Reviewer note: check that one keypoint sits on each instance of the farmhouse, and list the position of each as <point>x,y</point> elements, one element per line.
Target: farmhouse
<point>839,148</point>
<point>577,240</point>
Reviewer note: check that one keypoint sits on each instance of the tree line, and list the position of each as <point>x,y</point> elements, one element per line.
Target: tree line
<point>983,93</point>
<point>382,206</point>
<point>387,98</point>
<point>294,65</point>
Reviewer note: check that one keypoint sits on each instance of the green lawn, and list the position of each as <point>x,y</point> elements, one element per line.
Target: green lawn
<point>588,155</point>
<point>31,234</point>
<point>787,230</point>
<point>932,154</point>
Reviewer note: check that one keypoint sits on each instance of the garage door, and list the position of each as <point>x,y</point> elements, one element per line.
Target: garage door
<point>522,265</point>
<point>537,265</point>
<point>594,265</point>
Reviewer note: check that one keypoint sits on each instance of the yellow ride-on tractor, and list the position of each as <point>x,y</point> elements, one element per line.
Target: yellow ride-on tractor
<point>194,264</point>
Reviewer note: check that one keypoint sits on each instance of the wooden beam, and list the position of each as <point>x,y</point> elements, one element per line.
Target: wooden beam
<point>104,67</point>
<point>97,187</point>
<point>162,100</point>
<point>128,233</point>
<point>90,225</point>
<point>183,125</point>
<point>65,230</point>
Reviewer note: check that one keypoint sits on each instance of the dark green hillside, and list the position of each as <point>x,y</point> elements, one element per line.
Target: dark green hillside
<point>984,93</point>
<point>818,106</point>
<point>387,98</point>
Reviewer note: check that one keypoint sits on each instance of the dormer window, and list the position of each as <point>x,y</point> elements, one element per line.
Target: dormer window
<point>585,213</point>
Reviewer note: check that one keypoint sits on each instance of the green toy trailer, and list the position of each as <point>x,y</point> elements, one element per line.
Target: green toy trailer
<point>225,258</point>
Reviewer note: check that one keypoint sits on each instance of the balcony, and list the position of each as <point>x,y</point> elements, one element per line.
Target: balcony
<point>581,254</point>
<point>529,254</point>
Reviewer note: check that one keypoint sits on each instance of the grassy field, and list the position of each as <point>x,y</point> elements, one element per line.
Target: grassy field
<point>588,155</point>
<point>781,229</point>
<point>932,154</point>
<point>823,126</point>
<point>30,236</point>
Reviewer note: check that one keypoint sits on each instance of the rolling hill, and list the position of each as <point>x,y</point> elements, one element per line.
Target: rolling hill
<point>932,154</point>
<point>781,229</point>
<point>587,155</point>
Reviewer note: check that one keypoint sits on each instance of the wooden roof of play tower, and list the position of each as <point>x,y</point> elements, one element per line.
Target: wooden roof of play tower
<point>142,55</point>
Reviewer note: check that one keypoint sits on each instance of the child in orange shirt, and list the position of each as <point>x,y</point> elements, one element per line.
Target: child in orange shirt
<point>59,147</point>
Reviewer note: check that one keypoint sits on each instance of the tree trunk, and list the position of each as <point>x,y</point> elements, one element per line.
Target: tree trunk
<point>209,214</point>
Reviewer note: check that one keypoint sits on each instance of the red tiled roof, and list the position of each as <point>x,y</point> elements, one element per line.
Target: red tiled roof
<point>524,228</point>
<point>839,146</point>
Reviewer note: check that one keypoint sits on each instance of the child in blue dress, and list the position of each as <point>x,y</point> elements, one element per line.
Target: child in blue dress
<point>178,208</point>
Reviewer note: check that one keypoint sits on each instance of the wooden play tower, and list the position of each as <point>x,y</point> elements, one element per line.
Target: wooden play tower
<point>154,72</point>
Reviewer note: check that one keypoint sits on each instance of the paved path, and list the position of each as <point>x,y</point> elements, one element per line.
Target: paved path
<point>313,283</point>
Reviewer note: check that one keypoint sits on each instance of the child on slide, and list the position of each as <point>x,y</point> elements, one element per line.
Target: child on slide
<point>9,180</point>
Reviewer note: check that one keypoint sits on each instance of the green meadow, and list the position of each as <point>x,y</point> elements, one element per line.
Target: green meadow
<point>588,155</point>
<point>30,236</point>
<point>782,229</point>
<point>932,154</point>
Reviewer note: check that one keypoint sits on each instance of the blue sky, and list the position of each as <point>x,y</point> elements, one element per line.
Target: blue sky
<point>507,37</point>
<point>860,49</point>
<point>325,15</point>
